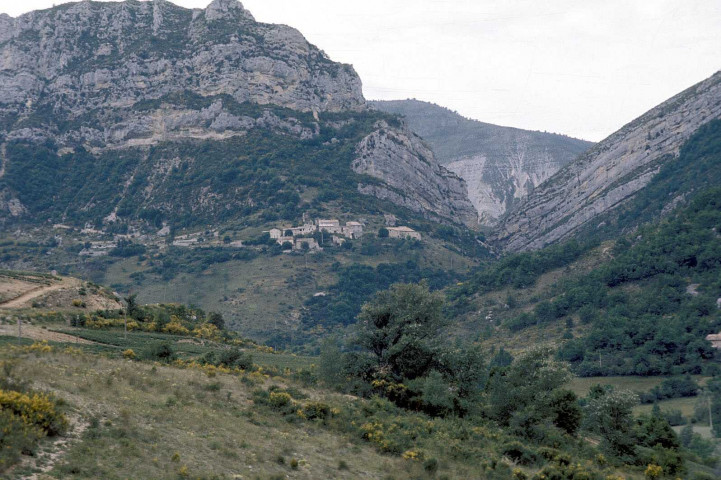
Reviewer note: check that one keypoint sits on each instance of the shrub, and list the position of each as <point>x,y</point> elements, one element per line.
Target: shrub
<point>129,354</point>
<point>36,409</point>
<point>653,471</point>
<point>316,410</point>
<point>519,453</point>
<point>162,352</point>
<point>279,400</point>
<point>430,466</point>
<point>17,437</point>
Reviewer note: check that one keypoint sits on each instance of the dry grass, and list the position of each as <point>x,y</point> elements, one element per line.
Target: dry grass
<point>151,421</point>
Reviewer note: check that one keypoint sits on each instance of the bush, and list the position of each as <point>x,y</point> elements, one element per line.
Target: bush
<point>16,438</point>
<point>519,453</point>
<point>35,409</point>
<point>316,410</point>
<point>162,352</point>
<point>129,354</point>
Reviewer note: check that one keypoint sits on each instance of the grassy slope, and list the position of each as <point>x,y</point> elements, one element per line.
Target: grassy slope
<point>148,414</point>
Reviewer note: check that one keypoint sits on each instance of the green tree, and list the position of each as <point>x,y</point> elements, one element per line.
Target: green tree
<point>610,414</point>
<point>383,232</point>
<point>399,330</point>
<point>132,309</point>
<point>526,388</point>
<point>216,319</point>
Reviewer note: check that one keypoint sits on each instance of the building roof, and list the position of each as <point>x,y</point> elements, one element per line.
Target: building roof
<point>401,229</point>
<point>714,337</point>
<point>353,224</point>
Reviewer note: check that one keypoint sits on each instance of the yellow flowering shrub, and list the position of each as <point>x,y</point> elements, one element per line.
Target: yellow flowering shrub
<point>653,472</point>
<point>150,327</point>
<point>34,409</point>
<point>279,400</point>
<point>207,331</point>
<point>129,354</point>
<point>412,455</point>
<point>175,327</point>
<point>39,347</point>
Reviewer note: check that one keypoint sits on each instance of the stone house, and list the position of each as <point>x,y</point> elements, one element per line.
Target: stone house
<point>305,229</point>
<point>403,232</point>
<point>353,230</point>
<point>330,226</point>
<point>275,233</point>
<point>312,244</point>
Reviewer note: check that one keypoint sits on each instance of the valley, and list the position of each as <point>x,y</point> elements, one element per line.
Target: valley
<point>219,260</point>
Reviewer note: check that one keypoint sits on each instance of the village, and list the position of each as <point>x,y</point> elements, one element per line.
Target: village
<point>300,238</point>
<point>309,237</point>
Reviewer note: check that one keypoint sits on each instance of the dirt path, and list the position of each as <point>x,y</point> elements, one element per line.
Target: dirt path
<point>52,450</point>
<point>22,300</point>
<point>37,333</point>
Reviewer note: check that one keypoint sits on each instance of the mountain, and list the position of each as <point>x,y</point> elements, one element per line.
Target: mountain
<point>581,196</point>
<point>501,165</point>
<point>135,111</point>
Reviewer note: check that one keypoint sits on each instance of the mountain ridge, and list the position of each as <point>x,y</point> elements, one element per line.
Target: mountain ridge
<point>501,165</point>
<point>83,84</point>
<point>611,172</point>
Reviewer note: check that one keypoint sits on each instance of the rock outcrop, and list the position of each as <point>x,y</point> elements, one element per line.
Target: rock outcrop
<point>500,165</point>
<point>610,173</point>
<point>412,177</point>
<point>82,56</point>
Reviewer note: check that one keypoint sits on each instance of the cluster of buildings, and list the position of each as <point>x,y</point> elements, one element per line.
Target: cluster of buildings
<point>298,236</point>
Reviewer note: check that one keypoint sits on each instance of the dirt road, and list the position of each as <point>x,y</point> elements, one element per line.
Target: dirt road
<point>26,298</point>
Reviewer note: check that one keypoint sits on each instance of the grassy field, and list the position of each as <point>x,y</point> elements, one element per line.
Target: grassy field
<point>112,342</point>
<point>133,420</point>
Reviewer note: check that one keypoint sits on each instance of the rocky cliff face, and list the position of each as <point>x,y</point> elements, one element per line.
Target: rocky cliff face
<point>88,55</point>
<point>500,165</point>
<point>146,82</point>
<point>412,177</point>
<point>610,173</point>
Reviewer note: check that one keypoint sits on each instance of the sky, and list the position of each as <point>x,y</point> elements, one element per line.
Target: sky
<point>579,67</point>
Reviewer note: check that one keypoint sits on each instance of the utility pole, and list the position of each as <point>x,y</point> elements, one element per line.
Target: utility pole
<point>20,331</point>
<point>710,415</point>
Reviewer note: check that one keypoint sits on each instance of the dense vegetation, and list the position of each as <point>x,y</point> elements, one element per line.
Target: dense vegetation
<point>357,283</point>
<point>257,176</point>
<point>397,354</point>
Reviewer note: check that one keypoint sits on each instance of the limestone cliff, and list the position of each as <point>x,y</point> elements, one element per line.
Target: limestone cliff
<point>500,165</point>
<point>412,177</point>
<point>610,173</point>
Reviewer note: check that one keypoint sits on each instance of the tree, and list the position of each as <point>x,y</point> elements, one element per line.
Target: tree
<point>215,318</point>
<point>132,309</point>
<point>527,387</point>
<point>383,232</point>
<point>610,414</point>
<point>399,330</point>
<point>566,413</point>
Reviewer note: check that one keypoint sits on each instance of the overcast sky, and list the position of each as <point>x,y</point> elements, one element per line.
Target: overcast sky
<point>579,67</point>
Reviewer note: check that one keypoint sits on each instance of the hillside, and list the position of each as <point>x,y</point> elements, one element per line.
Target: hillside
<point>610,174</point>
<point>25,290</point>
<point>501,165</point>
<point>204,404</point>
<point>159,152</point>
